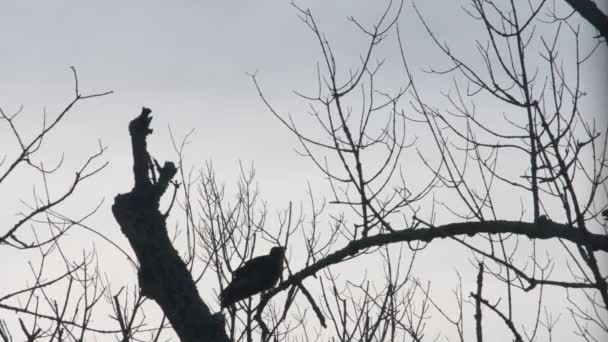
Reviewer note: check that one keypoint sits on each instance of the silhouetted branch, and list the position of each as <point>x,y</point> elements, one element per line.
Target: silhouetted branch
<point>163,275</point>
<point>589,10</point>
<point>478,317</point>
<point>502,316</point>
<point>545,230</point>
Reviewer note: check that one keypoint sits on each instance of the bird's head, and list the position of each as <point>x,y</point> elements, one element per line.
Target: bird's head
<point>277,252</point>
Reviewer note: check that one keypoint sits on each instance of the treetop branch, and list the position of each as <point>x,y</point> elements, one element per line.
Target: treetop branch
<point>139,128</point>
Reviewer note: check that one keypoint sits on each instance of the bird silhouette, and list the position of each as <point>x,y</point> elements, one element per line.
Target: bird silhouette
<point>256,275</point>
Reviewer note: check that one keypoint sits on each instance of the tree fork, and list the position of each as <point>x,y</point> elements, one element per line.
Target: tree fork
<point>163,275</point>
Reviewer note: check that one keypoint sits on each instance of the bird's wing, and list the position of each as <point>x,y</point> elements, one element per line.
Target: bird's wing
<point>251,267</point>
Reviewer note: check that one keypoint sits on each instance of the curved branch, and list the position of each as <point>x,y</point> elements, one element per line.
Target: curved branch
<point>542,230</point>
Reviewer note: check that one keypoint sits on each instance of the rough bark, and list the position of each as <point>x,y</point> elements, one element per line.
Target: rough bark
<point>163,275</point>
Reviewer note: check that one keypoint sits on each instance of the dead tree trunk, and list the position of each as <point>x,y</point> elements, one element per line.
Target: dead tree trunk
<point>163,275</point>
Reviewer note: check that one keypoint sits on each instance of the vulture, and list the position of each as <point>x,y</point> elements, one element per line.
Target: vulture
<point>256,275</point>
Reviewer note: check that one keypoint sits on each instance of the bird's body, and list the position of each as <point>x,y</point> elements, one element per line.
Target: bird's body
<point>256,275</point>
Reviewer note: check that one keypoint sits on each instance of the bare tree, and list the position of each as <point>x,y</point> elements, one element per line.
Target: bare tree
<point>64,298</point>
<point>37,233</point>
<point>544,150</point>
<point>564,177</point>
<point>361,152</point>
<point>361,155</point>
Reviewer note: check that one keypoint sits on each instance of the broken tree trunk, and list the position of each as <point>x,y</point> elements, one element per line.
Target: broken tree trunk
<point>163,275</point>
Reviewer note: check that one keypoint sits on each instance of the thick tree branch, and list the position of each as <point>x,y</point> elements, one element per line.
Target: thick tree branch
<point>163,275</point>
<point>589,10</point>
<point>542,230</point>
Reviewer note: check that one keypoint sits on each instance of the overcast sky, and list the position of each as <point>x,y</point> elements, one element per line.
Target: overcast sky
<point>188,61</point>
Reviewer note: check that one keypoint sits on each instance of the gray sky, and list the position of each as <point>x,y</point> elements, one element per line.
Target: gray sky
<point>188,62</point>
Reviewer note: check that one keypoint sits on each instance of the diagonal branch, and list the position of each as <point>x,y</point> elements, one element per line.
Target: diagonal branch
<point>589,10</point>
